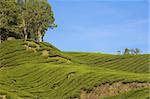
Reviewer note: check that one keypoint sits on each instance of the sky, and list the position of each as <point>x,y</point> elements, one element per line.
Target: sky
<point>99,25</point>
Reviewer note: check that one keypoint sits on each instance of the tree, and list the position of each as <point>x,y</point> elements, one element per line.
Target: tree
<point>137,51</point>
<point>10,19</point>
<point>25,18</point>
<point>126,51</point>
<point>43,20</point>
<point>37,18</point>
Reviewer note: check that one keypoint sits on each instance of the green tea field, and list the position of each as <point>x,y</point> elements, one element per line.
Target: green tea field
<point>31,70</point>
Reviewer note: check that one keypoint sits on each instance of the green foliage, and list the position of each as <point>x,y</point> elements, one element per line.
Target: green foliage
<point>37,18</point>
<point>10,19</point>
<point>26,20</point>
<point>126,51</point>
<point>137,51</point>
<point>132,51</point>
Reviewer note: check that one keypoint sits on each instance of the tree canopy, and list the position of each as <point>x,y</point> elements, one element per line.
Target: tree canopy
<point>25,19</point>
<point>10,19</point>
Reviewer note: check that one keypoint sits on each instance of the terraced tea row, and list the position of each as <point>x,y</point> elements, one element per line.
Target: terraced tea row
<point>20,52</point>
<point>130,63</point>
<point>48,81</point>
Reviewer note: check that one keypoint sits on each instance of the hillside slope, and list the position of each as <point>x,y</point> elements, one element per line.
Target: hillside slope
<point>31,70</point>
<point>129,63</point>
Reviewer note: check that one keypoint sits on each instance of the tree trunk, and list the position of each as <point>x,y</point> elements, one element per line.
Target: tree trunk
<point>42,38</point>
<point>0,39</point>
<point>39,36</point>
<point>25,34</point>
<point>39,39</point>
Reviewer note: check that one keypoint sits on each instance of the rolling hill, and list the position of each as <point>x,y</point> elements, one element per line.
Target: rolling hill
<point>32,70</point>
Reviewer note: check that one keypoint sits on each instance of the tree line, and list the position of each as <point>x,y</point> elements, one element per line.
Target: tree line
<point>130,51</point>
<point>25,19</point>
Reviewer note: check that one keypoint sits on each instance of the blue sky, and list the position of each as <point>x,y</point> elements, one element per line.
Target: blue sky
<point>99,25</point>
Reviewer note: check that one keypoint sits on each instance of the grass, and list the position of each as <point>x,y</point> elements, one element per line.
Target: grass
<point>26,74</point>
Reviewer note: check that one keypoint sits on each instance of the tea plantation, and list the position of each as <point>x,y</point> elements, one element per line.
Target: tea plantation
<point>32,70</point>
